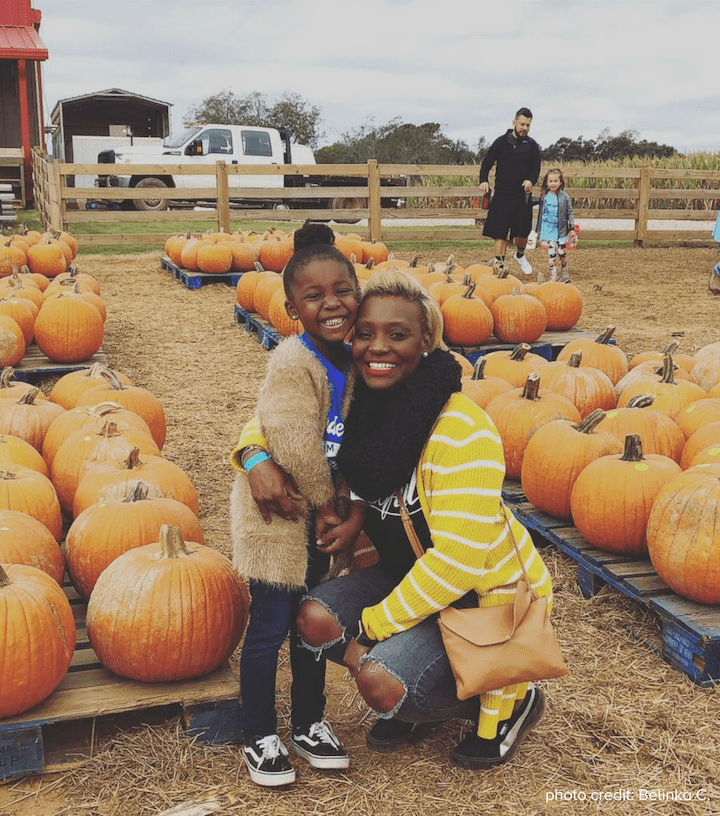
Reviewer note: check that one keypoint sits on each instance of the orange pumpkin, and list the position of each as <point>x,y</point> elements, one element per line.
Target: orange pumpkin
<point>30,492</point>
<point>612,497</point>
<point>562,302</point>
<point>71,386</point>
<point>468,321</point>
<point>28,417</point>
<point>518,318</point>
<point>514,365</point>
<point>482,389</point>
<point>37,613</point>
<point>184,635</point>
<point>68,329</point>
<point>683,534</point>
<point>670,396</point>
<point>556,454</point>
<point>24,540</point>
<point>106,530</point>
<point>520,412</point>
<point>587,388</point>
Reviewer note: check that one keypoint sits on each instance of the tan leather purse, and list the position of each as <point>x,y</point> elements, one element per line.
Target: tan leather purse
<point>496,646</point>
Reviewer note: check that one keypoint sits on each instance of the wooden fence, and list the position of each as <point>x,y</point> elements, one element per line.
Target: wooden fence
<point>677,195</point>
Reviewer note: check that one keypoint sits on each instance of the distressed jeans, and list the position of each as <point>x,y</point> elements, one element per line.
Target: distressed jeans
<point>416,656</point>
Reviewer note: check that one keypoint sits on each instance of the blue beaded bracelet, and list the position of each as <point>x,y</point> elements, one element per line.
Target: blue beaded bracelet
<point>255,460</point>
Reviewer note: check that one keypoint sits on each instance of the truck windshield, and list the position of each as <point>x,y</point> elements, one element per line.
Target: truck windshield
<point>177,139</point>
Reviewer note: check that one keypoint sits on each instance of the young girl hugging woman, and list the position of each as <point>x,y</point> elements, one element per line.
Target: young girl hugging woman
<point>555,222</point>
<point>299,423</point>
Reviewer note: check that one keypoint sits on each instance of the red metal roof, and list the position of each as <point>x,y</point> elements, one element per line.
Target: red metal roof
<point>21,42</point>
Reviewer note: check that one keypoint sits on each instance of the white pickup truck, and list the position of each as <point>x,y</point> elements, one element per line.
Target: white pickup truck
<point>234,144</point>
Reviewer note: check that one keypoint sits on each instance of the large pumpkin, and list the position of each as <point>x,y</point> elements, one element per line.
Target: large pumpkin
<point>480,388</point>
<point>142,626</point>
<point>107,529</point>
<point>612,497</point>
<point>68,329</point>
<point>37,637</point>
<point>519,413</point>
<point>671,395</point>
<point>518,318</point>
<point>468,321</point>
<point>562,302</point>
<point>587,388</point>
<point>28,417</point>
<point>555,455</point>
<point>683,534</point>
<point>513,366</point>
<point>68,389</point>
<point>30,492</point>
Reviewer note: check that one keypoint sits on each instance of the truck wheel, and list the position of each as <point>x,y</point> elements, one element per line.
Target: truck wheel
<point>348,203</point>
<point>151,204</point>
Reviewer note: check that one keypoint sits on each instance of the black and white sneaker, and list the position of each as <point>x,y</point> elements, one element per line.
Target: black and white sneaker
<point>267,761</point>
<point>476,753</point>
<point>319,745</point>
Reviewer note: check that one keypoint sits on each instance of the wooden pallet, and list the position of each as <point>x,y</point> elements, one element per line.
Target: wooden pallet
<point>690,632</point>
<point>35,366</point>
<point>260,329</point>
<point>195,280</point>
<point>548,345</point>
<point>92,702</point>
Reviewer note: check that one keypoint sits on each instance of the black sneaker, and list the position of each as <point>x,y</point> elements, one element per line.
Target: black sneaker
<point>267,761</point>
<point>319,746</point>
<point>391,735</point>
<point>477,753</point>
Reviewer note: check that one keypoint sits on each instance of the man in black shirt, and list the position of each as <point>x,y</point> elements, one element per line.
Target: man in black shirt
<point>516,158</point>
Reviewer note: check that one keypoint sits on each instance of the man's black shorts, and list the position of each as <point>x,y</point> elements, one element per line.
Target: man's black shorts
<point>509,216</point>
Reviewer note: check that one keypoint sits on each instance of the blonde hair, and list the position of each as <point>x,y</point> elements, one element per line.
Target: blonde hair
<point>395,283</point>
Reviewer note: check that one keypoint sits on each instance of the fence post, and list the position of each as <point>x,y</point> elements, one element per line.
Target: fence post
<point>374,219</point>
<point>641,223</point>
<point>55,208</point>
<point>223,196</point>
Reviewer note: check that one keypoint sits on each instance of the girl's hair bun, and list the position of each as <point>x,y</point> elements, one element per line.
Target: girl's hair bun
<point>312,233</point>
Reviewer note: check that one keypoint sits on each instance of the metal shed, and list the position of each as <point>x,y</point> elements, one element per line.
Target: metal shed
<point>110,113</point>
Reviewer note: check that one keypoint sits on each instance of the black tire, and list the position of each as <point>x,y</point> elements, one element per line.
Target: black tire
<point>151,204</point>
<point>347,203</point>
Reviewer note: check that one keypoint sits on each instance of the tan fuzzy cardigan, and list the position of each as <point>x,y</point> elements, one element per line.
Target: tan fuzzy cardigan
<point>292,414</point>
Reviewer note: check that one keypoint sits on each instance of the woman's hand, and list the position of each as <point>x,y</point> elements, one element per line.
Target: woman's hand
<point>341,536</point>
<point>274,491</point>
<point>353,653</point>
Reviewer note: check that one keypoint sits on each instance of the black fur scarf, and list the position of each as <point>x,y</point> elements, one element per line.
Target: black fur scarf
<point>385,431</point>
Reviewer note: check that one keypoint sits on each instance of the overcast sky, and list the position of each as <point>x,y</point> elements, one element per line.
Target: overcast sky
<point>581,66</point>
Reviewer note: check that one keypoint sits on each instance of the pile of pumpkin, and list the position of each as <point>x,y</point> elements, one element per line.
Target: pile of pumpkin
<point>45,299</point>
<point>476,301</point>
<point>161,605</point>
<point>629,450</point>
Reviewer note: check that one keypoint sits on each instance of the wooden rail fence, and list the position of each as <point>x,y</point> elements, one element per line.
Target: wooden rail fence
<point>60,204</point>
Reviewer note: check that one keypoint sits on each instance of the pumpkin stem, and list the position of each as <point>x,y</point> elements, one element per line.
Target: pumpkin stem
<point>28,398</point>
<point>415,258</point>
<point>671,348</point>
<point>540,277</point>
<point>370,263</point>
<point>468,293</point>
<point>171,542</point>
<point>606,335</point>
<point>519,352</point>
<point>479,370</point>
<point>140,493</point>
<point>668,369</point>
<point>641,401</point>
<point>575,359</point>
<point>7,475</point>
<point>503,273</point>
<point>633,449</point>
<point>531,389</point>
<point>109,428</point>
<point>133,460</point>
<point>6,376</point>
<point>4,578</point>
<point>112,379</point>
<point>103,408</point>
<point>591,421</point>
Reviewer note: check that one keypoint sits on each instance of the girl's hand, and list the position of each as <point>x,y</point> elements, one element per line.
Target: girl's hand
<point>342,536</point>
<point>274,491</point>
<point>527,186</point>
<point>326,518</point>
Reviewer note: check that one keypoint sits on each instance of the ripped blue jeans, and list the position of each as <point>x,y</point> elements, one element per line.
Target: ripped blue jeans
<point>416,657</point>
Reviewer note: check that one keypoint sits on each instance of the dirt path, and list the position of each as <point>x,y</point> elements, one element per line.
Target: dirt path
<point>622,720</point>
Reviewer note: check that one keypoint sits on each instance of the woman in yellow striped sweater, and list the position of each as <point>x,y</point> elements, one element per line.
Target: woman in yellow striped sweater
<point>410,429</point>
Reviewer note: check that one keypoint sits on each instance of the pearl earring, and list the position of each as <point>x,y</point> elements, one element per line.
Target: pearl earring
<point>425,354</point>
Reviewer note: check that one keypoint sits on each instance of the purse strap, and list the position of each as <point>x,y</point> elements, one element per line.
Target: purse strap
<point>419,551</point>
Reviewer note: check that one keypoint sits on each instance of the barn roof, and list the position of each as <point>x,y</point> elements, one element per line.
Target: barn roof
<point>114,93</point>
<point>21,42</point>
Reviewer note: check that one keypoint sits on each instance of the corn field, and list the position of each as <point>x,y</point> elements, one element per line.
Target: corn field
<point>575,182</point>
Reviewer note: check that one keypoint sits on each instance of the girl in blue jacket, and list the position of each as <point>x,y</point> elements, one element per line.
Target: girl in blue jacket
<point>555,222</point>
